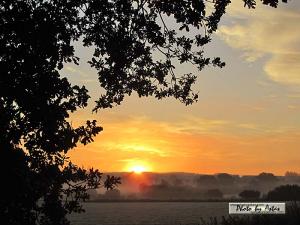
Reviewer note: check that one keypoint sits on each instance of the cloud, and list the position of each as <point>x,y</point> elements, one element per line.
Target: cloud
<point>138,147</point>
<point>293,96</point>
<point>270,33</point>
<point>192,124</point>
<point>248,126</point>
<point>284,68</point>
<point>76,70</point>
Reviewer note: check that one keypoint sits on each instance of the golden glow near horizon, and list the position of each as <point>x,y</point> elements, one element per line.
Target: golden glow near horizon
<point>137,166</point>
<point>247,118</point>
<point>137,169</point>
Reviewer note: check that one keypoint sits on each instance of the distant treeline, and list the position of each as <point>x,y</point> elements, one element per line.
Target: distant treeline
<point>196,187</point>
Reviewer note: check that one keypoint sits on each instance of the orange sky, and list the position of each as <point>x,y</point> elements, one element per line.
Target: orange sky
<point>246,121</point>
<point>163,147</point>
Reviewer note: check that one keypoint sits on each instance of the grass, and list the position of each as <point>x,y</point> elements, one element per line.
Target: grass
<point>292,217</point>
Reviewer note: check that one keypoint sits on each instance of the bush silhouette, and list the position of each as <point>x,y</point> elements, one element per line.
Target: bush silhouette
<point>285,193</point>
<point>249,194</point>
<point>214,194</point>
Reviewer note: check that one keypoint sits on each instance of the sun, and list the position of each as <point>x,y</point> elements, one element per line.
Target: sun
<point>138,169</point>
<point>137,166</point>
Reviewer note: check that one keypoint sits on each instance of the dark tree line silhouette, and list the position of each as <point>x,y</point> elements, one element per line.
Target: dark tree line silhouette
<point>250,194</point>
<point>151,186</point>
<point>39,183</point>
<point>285,193</point>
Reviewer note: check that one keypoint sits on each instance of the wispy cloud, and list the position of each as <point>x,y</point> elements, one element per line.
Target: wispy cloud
<point>267,32</point>
<point>248,126</point>
<point>76,71</point>
<point>137,147</point>
<point>193,124</point>
<point>296,96</point>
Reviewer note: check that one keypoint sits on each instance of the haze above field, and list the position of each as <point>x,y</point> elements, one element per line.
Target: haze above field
<point>191,186</point>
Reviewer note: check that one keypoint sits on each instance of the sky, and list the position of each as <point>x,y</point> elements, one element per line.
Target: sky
<point>245,122</point>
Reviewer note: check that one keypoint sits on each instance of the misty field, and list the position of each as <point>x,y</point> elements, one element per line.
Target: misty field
<point>148,213</point>
<point>175,213</point>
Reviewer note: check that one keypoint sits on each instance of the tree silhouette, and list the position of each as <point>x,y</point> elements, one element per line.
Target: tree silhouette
<point>285,193</point>
<point>249,194</point>
<point>267,178</point>
<point>206,182</point>
<point>225,179</point>
<point>213,194</point>
<point>40,184</point>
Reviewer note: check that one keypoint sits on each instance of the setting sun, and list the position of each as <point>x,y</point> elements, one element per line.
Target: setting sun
<point>138,169</point>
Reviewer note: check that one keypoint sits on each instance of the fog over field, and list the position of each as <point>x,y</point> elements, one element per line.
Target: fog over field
<point>190,186</point>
